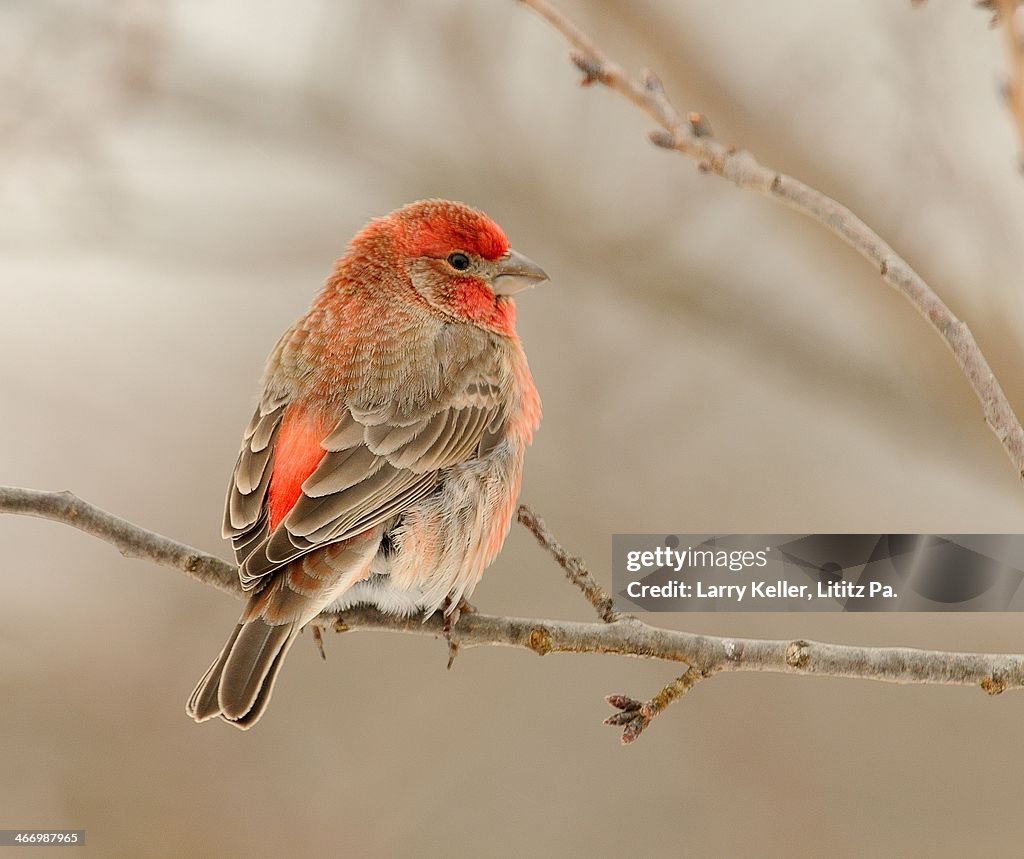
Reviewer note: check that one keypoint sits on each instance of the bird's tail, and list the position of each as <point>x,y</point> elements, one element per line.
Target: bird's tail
<point>238,685</point>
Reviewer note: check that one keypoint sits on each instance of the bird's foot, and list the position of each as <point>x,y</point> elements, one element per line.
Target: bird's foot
<point>451,617</point>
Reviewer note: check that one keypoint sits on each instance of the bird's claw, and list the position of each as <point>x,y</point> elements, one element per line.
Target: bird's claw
<point>450,618</point>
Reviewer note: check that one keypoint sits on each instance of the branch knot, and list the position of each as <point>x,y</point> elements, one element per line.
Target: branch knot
<point>539,641</point>
<point>798,654</point>
<point>592,68</point>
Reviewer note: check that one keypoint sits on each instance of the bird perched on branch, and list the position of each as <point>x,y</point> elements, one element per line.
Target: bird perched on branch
<point>383,463</point>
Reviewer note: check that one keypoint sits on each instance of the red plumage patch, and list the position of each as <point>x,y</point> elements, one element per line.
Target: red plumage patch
<point>474,301</point>
<point>296,456</point>
<point>435,228</point>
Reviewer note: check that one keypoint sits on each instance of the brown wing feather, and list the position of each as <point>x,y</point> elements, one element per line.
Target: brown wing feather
<point>245,519</point>
<point>379,462</point>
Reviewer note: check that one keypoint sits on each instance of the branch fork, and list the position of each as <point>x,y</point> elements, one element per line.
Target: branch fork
<point>613,633</point>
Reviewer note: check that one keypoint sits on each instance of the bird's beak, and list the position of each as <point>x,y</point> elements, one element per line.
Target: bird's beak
<point>516,273</point>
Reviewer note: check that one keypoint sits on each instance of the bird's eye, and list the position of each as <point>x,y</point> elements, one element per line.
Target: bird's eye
<point>459,262</point>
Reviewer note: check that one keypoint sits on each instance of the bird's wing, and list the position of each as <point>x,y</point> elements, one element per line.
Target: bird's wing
<point>370,466</point>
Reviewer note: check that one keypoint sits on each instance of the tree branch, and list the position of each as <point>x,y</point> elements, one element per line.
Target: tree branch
<point>131,540</point>
<point>635,715</point>
<point>703,654</point>
<point>575,570</point>
<point>693,137</point>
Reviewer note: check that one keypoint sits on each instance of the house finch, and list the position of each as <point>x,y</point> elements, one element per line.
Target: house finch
<point>383,463</point>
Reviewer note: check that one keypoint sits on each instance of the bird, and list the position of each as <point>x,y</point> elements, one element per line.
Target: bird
<point>383,463</point>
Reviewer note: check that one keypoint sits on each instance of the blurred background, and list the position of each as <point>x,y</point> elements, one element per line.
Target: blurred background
<point>176,180</point>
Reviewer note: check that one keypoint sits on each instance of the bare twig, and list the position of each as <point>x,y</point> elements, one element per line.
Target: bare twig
<point>635,715</point>
<point>693,137</point>
<point>575,570</point>
<point>1014,42</point>
<point>130,539</point>
<point>704,654</point>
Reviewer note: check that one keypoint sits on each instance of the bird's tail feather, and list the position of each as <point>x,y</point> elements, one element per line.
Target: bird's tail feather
<point>238,685</point>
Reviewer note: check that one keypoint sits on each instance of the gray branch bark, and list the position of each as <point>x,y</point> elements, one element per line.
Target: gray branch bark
<point>625,635</point>
<point>693,137</point>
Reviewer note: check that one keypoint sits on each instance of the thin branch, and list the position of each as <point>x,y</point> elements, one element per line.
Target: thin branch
<point>131,540</point>
<point>693,137</point>
<point>575,569</point>
<point>711,654</point>
<point>628,636</point>
<point>1014,42</point>
<point>634,716</point>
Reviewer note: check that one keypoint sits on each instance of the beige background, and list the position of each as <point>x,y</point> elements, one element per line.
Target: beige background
<point>175,181</point>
